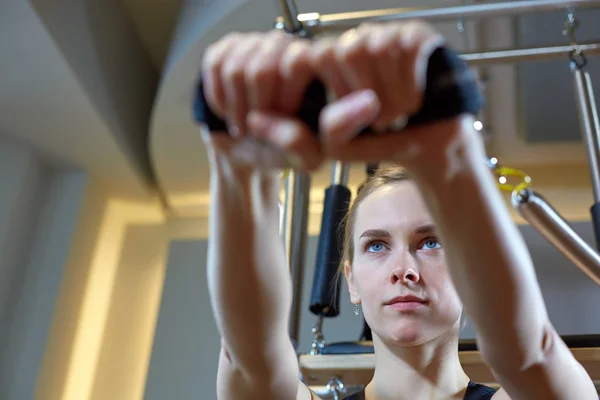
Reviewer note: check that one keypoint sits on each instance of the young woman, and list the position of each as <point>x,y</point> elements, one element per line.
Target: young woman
<point>418,251</point>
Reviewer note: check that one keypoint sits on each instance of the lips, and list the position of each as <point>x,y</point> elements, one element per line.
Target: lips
<point>405,299</point>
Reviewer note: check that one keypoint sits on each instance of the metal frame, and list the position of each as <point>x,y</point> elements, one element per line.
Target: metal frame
<point>318,23</point>
<point>494,57</point>
<point>295,232</point>
<point>548,222</point>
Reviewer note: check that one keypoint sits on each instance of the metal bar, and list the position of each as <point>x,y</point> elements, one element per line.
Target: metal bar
<point>342,21</point>
<point>295,231</point>
<point>527,54</point>
<point>289,15</point>
<point>590,127</point>
<point>548,222</point>
<point>339,173</point>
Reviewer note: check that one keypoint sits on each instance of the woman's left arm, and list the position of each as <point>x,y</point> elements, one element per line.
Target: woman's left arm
<point>491,267</point>
<point>488,259</point>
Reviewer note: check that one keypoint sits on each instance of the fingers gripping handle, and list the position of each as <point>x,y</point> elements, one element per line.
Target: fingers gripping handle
<point>451,90</point>
<point>325,299</point>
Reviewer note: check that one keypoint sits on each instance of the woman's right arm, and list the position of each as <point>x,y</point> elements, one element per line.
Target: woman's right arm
<point>250,286</point>
<point>249,281</point>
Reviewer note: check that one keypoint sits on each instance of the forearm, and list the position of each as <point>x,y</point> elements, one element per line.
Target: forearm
<point>488,260</point>
<point>249,283</point>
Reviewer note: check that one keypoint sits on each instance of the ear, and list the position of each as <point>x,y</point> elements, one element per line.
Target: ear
<point>354,296</point>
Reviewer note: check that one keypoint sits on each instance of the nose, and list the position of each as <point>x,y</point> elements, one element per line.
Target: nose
<point>405,270</point>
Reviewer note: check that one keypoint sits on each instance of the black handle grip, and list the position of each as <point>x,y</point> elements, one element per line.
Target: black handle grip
<point>325,299</point>
<point>595,211</point>
<point>451,90</point>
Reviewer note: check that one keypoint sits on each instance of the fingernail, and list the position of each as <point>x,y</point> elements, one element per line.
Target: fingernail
<point>360,107</point>
<point>365,100</point>
<point>257,121</point>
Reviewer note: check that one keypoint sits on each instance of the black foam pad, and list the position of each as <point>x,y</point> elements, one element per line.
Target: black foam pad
<point>451,90</point>
<point>325,299</point>
<point>595,210</point>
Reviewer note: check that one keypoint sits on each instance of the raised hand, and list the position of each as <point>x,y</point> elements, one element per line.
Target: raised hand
<point>378,73</point>
<point>256,82</point>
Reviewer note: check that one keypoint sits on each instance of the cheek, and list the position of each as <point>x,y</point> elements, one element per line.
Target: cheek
<point>441,288</point>
<point>368,282</point>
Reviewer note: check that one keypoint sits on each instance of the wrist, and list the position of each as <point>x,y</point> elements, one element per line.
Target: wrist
<point>448,149</point>
<point>248,184</point>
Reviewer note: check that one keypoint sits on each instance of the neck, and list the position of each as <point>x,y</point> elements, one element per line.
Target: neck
<point>428,371</point>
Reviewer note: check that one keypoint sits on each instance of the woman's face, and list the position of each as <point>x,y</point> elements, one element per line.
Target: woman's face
<point>399,272</point>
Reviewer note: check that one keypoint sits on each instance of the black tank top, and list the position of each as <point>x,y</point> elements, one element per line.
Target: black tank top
<point>474,391</point>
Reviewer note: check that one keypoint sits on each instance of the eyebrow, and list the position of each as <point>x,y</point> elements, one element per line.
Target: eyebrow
<point>382,233</point>
<point>378,233</point>
<point>426,229</point>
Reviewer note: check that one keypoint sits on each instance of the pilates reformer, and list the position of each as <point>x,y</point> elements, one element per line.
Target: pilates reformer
<point>333,369</point>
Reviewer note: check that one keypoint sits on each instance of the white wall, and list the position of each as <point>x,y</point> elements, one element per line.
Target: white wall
<point>38,209</point>
<point>186,345</point>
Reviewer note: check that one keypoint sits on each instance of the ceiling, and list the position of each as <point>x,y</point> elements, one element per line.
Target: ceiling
<point>106,85</point>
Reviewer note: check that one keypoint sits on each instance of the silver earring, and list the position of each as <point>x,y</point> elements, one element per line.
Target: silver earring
<point>357,310</point>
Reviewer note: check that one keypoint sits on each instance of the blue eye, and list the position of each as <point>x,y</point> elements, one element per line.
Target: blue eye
<point>431,244</point>
<point>375,247</point>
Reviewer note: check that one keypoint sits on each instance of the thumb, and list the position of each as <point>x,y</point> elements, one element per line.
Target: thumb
<point>343,119</point>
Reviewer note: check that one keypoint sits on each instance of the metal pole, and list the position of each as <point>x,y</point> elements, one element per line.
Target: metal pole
<point>296,201</point>
<point>557,231</point>
<point>339,173</point>
<point>295,231</point>
<point>526,54</point>
<point>342,21</point>
<point>289,16</point>
<point>590,127</point>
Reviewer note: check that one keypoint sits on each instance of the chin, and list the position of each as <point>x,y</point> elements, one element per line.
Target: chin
<point>408,334</point>
<point>414,333</point>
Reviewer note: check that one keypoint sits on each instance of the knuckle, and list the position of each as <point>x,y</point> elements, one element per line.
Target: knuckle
<point>295,59</point>
<point>379,47</point>
<point>416,25</point>
<point>261,71</point>
<point>233,71</point>
<point>212,57</point>
<point>232,37</point>
<point>369,25</point>
<point>351,52</point>
<point>323,52</point>
<point>217,53</point>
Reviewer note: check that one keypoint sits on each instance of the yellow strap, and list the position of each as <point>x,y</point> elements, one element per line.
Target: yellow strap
<point>504,173</point>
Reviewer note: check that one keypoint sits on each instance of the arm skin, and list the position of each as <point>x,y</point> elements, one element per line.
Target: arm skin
<point>492,270</point>
<point>250,287</point>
